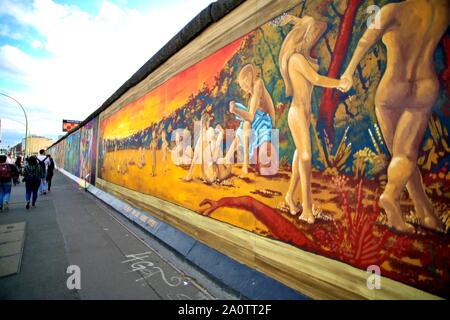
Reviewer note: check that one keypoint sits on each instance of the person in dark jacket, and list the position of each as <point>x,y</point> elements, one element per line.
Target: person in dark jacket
<point>32,175</point>
<point>18,163</point>
<point>50,170</point>
<point>7,173</point>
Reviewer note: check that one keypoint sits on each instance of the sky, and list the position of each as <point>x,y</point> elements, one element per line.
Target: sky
<point>171,95</point>
<point>62,59</point>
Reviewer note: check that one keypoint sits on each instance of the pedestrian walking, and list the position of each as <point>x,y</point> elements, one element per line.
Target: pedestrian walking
<point>18,163</point>
<point>43,161</point>
<point>32,175</point>
<point>7,172</point>
<point>50,170</point>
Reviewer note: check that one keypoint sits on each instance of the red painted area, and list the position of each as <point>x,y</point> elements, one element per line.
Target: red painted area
<point>357,239</point>
<point>330,97</point>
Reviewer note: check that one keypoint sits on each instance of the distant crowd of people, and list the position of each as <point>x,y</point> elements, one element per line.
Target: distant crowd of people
<point>36,172</point>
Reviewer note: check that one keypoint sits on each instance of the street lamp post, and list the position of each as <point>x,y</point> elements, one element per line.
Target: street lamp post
<point>26,121</point>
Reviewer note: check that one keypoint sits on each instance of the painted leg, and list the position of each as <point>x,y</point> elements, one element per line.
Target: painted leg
<point>424,207</point>
<point>407,139</point>
<point>229,156</point>
<point>290,197</point>
<point>399,171</point>
<point>299,122</point>
<point>196,159</point>
<point>246,138</point>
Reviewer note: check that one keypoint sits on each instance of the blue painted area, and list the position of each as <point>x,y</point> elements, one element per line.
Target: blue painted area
<point>221,267</point>
<point>175,238</point>
<point>249,282</point>
<point>261,287</point>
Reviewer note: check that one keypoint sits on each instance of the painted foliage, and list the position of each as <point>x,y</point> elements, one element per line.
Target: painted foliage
<point>57,152</point>
<point>88,150</point>
<point>358,123</point>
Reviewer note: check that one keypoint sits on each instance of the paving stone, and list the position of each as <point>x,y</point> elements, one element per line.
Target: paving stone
<point>10,248</point>
<point>9,265</point>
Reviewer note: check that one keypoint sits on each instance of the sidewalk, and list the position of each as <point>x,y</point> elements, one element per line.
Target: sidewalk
<point>71,227</point>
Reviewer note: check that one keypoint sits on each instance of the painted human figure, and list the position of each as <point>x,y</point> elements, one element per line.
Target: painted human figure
<point>260,115</point>
<point>164,150</point>
<point>182,153</point>
<point>141,158</point>
<point>114,163</point>
<point>203,151</point>
<point>132,157</point>
<point>153,146</point>
<point>208,151</point>
<point>411,31</point>
<point>299,72</point>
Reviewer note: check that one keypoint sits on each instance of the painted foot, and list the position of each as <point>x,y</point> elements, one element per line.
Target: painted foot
<point>431,222</point>
<point>427,217</point>
<point>307,216</point>
<point>293,207</point>
<point>394,215</point>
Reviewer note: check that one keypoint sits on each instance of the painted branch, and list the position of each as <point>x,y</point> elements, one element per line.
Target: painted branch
<point>331,97</point>
<point>280,227</point>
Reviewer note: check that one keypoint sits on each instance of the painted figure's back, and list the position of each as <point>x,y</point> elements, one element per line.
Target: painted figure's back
<point>415,30</point>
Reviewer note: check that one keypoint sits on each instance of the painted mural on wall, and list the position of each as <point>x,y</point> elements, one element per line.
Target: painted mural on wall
<point>77,153</point>
<point>88,150</point>
<point>72,154</point>
<point>57,152</point>
<point>361,119</point>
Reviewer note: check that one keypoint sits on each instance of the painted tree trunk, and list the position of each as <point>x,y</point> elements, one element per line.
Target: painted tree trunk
<point>330,97</point>
<point>280,227</point>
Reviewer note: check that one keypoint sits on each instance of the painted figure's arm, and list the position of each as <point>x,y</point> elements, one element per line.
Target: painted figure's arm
<point>195,157</point>
<point>256,97</point>
<point>289,18</point>
<point>217,146</point>
<point>301,65</point>
<point>383,20</point>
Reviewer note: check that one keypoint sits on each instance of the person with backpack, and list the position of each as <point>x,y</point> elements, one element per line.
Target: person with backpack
<point>50,170</point>
<point>7,172</point>
<point>44,162</point>
<point>32,175</point>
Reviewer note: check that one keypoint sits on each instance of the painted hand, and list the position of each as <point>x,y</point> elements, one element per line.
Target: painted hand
<point>289,18</point>
<point>219,129</point>
<point>345,83</point>
<point>213,205</point>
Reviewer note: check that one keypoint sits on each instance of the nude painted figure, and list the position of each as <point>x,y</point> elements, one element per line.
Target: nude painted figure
<point>164,151</point>
<point>411,31</point>
<point>299,72</point>
<point>153,146</point>
<point>208,151</point>
<point>259,116</point>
